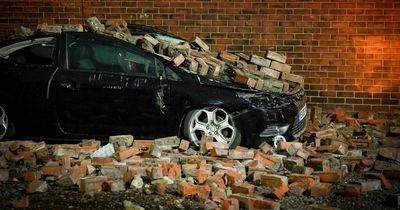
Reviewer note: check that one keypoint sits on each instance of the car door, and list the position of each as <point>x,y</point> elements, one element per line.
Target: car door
<point>105,87</point>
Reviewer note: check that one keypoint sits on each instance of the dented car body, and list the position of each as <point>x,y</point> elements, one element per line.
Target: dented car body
<point>86,85</point>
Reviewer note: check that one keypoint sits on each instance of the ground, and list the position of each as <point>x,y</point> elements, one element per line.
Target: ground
<point>70,198</point>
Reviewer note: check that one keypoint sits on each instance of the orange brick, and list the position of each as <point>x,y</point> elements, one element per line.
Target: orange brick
<point>102,161</point>
<point>217,180</point>
<point>36,186</point>
<point>184,145</point>
<point>238,154</point>
<point>21,203</point>
<point>265,147</point>
<point>319,164</point>
<point>352,190</point>
<point>203,193</point>
<point>233,177</point>
<point>92,184</point>
<point>186,189</point>
<point>32,175</point>
<point>385,182</point>
<point>369,185</point>
<point>309,180</point>
<point>330,176</point>
<point>298,188</point>
<point>321,189</point>
<point>230,204</point>
<point>218,152</point>
<point>127,153</point>
<point>217,194</point>
<point>267,161</point>
<point>52,170</point>
<point>254,203</point>
<point>244,188</point>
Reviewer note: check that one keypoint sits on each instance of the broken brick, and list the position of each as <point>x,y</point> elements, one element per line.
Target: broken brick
<point>127,153</point>
<point>92,184</point>
<point>310,180</point>
<point>21,203</point>
<point>36,186</point>
<point>369,185</point>
<point>233,177</point>
<point>203,193</point>
<point>352,190</point>
<point>238,154</point>
<point>186,189</point>
<point>52,170</point>
<point>230,204</point>
<point>184,145</point>
<point>298,188</point>
<point>385,182</point>
<point>330,176</point>
<point>254,203</point>
<point>321,189</point>
<point>32,175</point>
<point>217,180</point>
<point>244,188</point>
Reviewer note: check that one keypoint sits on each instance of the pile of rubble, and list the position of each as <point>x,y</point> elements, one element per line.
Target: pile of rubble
<point>269,73</point>
<point>215,175</point>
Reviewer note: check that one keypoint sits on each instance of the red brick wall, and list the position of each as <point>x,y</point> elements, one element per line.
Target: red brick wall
<point>348,50</point>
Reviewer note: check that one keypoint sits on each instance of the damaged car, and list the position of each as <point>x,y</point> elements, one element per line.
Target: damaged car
<point>86,85</point>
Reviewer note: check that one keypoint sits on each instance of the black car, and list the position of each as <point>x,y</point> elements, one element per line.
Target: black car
<point>87,85</point>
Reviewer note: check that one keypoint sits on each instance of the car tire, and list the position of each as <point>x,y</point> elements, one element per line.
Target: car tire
<point>212,121</point>
<point>7,128</point>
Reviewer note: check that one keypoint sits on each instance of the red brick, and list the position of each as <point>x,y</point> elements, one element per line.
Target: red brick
<point>298,188</point>
<point>52,170</point>
<point>218,152</point>
<point>369,185</point>
<point>217,180</point>
<point>32,175</point>
<point>127,153</point>
<point>186,189</point>
<point>217,194</point>
<point>265,147</point>
<point>385,182</point>
<point>309,180</point>
<point>102,161</point>
<point>36,186</point>
<point>267,161</point>
<point>230,204</point>
<point>92,184</point>
<point>254,203</point>
<point>233,177</point>
<point>352,190</point>
<point>321,189</point>
<point>21,203</point>
<point>184,145</point>
<point>244,188</point>
<point>330,176</point>
<point>238,154</point>
<point>203,193</point>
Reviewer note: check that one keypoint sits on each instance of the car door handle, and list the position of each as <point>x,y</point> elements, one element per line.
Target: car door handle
<point>70,85</point>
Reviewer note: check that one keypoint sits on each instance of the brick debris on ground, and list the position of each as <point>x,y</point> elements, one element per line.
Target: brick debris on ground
<point>316,167</point>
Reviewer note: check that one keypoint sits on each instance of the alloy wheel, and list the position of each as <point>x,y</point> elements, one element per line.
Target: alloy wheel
<point>3,123</point>
<point>214,122</point>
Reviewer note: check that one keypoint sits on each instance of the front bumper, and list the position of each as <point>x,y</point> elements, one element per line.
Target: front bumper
<point>262,125</point>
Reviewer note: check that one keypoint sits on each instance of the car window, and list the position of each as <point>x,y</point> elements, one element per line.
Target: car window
<point>40,54</point>
<point>89,54</point>
<point>171,75</point>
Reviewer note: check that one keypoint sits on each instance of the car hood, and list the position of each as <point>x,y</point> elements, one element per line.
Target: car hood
<point>224,84</point>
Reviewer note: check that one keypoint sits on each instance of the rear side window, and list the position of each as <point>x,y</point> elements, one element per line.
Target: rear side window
<point>40,54</point>
<point>87,53</point>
